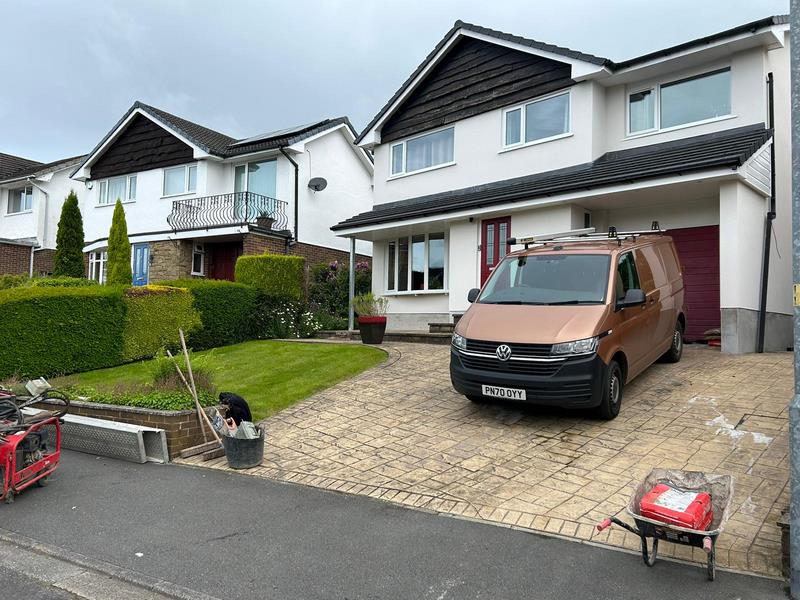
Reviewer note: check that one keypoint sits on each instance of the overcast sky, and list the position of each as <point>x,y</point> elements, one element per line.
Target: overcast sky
<point>71,69</point>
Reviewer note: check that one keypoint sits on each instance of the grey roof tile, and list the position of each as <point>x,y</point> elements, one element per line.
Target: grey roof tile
<point>10,165</point>
<point>716,150</point>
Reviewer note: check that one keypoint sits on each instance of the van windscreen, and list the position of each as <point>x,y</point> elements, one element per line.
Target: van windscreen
<point>548,279</point>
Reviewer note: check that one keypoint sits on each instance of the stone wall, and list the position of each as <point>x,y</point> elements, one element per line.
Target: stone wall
<point>170,260</point>
<point>14,259</point>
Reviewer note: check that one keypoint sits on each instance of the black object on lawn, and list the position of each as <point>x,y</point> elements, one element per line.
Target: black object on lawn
<point>238,410</point>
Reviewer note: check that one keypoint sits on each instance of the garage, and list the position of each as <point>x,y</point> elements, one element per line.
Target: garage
<point>698,249</point>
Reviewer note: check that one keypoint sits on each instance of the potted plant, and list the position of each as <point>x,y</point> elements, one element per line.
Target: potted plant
<point>265,220</point>
<point>371,311</point>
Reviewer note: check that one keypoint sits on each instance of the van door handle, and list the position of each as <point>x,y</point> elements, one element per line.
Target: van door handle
<point>652,299</point>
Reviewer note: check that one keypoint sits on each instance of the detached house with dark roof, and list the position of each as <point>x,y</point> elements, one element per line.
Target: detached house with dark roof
<point>497,136</point>
<point>196,199</point>
<point>31,196</point>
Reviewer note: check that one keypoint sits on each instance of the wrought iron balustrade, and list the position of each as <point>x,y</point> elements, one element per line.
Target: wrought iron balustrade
<point>238,208</point>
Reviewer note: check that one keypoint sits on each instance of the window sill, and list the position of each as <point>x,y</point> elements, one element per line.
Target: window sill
<point>552,138</point>
<point>425,170</point>
<point>649,132</point>
<point>181,194</point>
<point>113,204</point>
<point>196,274</point>
<point>417,293</point>
<point>22,212</point>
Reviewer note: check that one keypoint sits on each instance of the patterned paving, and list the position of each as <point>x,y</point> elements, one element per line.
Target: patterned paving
<point>400,433</point>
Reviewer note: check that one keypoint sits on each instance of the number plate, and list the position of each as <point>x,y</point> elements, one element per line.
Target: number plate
<point>502,392</point>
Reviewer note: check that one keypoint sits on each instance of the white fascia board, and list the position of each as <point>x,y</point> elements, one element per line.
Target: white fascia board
<point>539,202</point>
<point>300,146</point>
<point>85,171</point>
<point>138,238</point>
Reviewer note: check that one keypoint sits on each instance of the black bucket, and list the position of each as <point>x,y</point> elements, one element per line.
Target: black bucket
<point>244,454</point>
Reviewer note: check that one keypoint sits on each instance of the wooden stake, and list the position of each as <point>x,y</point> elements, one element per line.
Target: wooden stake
<point>201,414</point>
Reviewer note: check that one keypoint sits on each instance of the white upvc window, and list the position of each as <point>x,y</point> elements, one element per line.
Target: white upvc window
<point>198,259</point>
<point>541,120</point>
<point>121,188</point>
<point>20,200</point>
<point>179,180</point>
<point>98,265</point>
<point>417,263</point>
<point>679,103</point>
<point>423,152</point>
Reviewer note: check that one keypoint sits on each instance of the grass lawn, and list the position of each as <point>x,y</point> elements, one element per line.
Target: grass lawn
<point>270,375</point>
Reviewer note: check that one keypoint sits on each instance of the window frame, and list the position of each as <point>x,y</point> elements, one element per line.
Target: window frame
<point>97,260</point>
<point>23,209</point>
<point>622,256</point>
<point>186,189</point>
<point>426,264</point>
<point>522,108</point>
<point>102,188</point>
<point>404,144</point>
<point>656,87</point>
<point>246,166</point>
<point>199,249</point>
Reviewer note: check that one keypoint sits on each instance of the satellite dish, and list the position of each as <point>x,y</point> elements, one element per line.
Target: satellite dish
<point>318,183</point>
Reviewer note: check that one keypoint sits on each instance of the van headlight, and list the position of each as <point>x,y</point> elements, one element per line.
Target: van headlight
<point>586,346</point>
<point>459,341</point>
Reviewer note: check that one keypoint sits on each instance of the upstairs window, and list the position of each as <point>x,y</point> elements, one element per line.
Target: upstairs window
<point>257,177</point>
<point>20,200</point>
<point>537,121</point>
<point>423,152</point>
<point>180,180</point>
<point>682,102</point>
<point>117,188</point>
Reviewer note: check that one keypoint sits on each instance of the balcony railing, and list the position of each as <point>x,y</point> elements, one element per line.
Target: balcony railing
<point>238,208</point>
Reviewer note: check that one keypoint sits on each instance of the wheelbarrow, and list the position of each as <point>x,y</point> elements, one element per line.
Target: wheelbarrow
<point>720,487</point>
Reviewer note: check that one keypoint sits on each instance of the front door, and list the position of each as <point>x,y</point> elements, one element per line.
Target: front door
<point>141,264</point>
<point>223,260</point>
<point>494,234</point>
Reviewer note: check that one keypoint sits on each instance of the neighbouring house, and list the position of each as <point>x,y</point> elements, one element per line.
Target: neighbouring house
<point>31,196</point>
<point>196,199</point>
<point>495,135</point>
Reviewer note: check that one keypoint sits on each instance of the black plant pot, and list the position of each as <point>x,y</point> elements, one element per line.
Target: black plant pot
<point>372,329</point>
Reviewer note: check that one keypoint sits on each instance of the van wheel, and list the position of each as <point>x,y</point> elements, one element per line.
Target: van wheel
<point>612,393</point>
<point>675,351</point>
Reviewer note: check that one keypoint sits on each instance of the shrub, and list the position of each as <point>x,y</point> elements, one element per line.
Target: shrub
<point>153,316</point>
<point>370,305</point>
<point>68,260</point>
<point>142,398</point>
<point>328,291</point>
<point>119,249</point>
<point>226,311</point>
<point>272,274</point>
<point>283,319</point>
<point>50,331</point>
<point>62,282</point>
<point>12,281</point>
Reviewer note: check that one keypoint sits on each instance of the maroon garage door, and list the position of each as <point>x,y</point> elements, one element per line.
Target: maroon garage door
<point>698,249</point>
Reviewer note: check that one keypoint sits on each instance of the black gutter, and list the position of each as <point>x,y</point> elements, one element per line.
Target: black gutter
<point>762,309</point>
<point>296,193</point>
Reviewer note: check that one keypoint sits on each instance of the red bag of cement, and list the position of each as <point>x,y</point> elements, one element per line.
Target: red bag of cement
<point>688,509</point>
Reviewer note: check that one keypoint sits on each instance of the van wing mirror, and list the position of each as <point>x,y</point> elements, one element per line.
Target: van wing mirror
<point>633,297</point>
<point>473,295</point>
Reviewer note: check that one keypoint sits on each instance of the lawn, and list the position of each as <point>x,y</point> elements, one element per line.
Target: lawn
<point>270,375</point>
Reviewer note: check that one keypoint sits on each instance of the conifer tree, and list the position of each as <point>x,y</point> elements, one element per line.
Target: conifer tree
<point>68,261</point>
<point>119,249</point>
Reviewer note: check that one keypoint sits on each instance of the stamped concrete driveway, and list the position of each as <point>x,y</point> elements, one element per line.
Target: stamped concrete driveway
<point>400,433</point>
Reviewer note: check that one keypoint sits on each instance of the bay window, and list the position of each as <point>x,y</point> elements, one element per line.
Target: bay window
<point>20,200</point>
<point>681,102</point>
<point>180,180</point>
<point>117,188</point>
<point>537,121</point>
<point>416,263</point>
<point>423,152</point>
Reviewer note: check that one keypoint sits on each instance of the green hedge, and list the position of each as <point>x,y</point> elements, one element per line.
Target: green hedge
<point>12,281</point>
<point>155,399</point>
<point>153,316</point>
<point>275,275</point>
<point>226,311</point>
<point>62,282</point>
<point>50,330</point>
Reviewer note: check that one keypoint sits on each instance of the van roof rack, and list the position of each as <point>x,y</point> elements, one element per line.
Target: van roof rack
<point>588,234</point>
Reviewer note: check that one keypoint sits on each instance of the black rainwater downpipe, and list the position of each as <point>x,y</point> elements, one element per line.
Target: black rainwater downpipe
<point>296,193</point>
<point>762,310</point>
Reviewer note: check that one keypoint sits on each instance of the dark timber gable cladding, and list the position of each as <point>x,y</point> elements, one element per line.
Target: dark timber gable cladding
<point>142,146</point>
<point>474,77</point>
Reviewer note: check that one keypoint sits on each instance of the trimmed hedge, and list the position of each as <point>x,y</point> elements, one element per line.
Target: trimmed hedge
<point>226,311</point>
<point>153,316</point>
<point>46,331</point>
<point>13,281</point>
<point>275,275</point>
<point>62,282</point>
<point>155,399</point>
